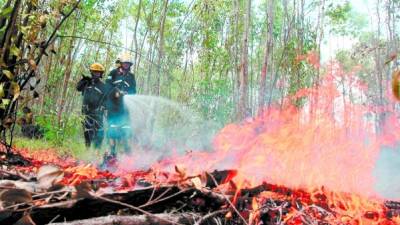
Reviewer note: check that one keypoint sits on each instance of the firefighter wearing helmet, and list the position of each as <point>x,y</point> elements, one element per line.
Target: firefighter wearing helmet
<point>93,90</point>
<point>120,82</point>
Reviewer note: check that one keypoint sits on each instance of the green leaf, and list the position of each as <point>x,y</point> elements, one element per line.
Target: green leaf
<point>2,30</point>
<point>1,90</point>
<point>5,101</point>
<point>15,51</point>
<point>25,29</point>
<point>15,90</point>
<point>5,12</point>
<point>34,3</point>
<point>8,74</point>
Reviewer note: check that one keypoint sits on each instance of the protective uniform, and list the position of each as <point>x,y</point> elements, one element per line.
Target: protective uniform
<point>119,82</point>
<point>94,96</point>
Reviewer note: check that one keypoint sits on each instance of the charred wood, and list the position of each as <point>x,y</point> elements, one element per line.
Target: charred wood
<point>191,200</point>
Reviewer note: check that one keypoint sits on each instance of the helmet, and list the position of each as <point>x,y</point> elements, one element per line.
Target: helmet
<point>125,58</point>
<point>396,84</point>
<point>97,67</point>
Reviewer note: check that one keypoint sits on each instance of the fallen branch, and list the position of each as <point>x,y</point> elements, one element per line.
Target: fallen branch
<point>229,201</point>
<point>137,209</point>
<point>188,200</point>
<point>206,217</point>
<point>159,219</point>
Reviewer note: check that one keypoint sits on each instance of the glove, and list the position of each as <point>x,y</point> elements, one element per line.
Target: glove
<point>119,94</point>
<point>86,76</point>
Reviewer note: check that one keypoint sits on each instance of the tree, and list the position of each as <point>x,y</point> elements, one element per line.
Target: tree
<point>243,88</point>
<point>267,53</point>
<point>23,46</point>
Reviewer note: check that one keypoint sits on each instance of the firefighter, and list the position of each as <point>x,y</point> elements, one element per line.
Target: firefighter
<point>94,94</point>
<point>120,82</point>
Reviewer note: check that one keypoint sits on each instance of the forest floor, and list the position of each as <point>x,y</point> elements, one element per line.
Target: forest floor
<point>74,147</point>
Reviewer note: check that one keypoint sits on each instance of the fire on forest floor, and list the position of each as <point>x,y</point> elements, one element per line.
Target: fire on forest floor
<point>65,190</point>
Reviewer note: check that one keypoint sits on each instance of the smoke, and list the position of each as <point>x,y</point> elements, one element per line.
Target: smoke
<point>387,173</point>
<point>336,143</point>
<point>163,128</point>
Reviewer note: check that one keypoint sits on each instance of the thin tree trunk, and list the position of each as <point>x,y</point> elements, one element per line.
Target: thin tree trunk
<point>108,62</point>
<point>67,75</point>
<point>161,47</point>
<point>11,26</point>
<point>44,81</point>
<point>236,53</point>
<point>135,39</point>
<point>243,89</point>
<point>267,51</point>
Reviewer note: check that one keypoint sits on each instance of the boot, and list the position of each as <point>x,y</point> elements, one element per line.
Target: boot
<point>109,160</point>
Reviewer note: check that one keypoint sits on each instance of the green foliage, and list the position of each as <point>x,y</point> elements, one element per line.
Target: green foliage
<point>5,12</point>
<point>344,20</point>
<point>60,135</point>
<point>214,101</point>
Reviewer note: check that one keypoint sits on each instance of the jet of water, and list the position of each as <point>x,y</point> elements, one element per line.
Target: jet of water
<point>164,127</point>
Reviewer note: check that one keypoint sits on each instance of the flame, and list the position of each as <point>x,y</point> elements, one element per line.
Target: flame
<point>322,143</point>
<point>329,141</point>
<point>323,140</point>
<point>75,175</point>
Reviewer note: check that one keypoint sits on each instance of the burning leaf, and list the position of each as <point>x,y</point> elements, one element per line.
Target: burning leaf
<point>8,74</point>
<point>15,196</point>
<point>254,204</point>
<point>197,183</point>
<point>181,171</point>
<point>25,220</point>
<point>228,215</point>
<point>49,175</point>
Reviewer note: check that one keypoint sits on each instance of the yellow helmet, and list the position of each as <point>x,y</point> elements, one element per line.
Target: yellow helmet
<point>125,58</point>
<point>396,84</point>
<point>97,67</point>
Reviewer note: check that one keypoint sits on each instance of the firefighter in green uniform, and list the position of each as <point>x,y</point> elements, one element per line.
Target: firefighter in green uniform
<point>94,95</point>
<point>121,81</point>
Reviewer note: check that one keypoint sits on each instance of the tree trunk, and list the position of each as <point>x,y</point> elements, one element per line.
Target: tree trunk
<point>49,63</point>
<point>67,75</point>
<point>243,89</point>
<point>161,47</point>
<point>236,53</point>
<point>267,51</point>
<point>5,43</point>
<point>135,39</point>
